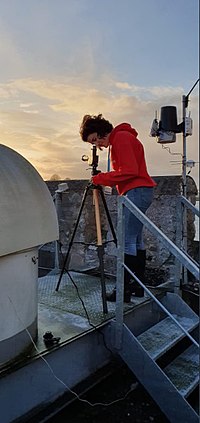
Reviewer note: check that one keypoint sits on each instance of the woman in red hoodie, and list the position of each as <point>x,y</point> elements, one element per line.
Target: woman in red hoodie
<point>131,178</point>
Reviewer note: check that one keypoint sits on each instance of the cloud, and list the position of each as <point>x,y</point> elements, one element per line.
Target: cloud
<point>33,112</point>
<point>41,119</point>
<point>123,86</point>
<point>154,92</point>
<point>27,108</point>
<point>26,105</point>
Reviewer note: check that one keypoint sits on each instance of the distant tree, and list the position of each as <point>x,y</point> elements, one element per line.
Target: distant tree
<point>55,177</point>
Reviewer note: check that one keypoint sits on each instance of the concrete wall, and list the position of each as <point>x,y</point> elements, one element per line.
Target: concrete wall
<point>84,253</point>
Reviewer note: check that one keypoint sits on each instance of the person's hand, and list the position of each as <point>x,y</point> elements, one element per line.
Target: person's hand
<point>91,184</point>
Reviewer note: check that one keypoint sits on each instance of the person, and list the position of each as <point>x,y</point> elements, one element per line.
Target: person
<point>131,178</point>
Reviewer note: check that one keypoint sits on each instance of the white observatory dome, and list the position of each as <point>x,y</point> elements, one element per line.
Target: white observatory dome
<point>28,219</point>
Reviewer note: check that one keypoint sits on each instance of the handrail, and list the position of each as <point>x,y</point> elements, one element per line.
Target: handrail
<point>161,306</point>
<point>180,255</point>
<point>189,205</point>
<point>181,230</point>
<point>170,245</point>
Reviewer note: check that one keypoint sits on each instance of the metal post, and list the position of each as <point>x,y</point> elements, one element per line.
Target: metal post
<point>100,248</point>
<point>185,100</point>
<point>184,210</point>
<point>120,274</point>
<point>57,205</point>
<point>179,231</point>
<point>56,269</point>
<point>184,147</point>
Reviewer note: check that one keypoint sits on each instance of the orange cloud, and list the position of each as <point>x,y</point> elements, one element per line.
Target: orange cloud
<point>41,118</point>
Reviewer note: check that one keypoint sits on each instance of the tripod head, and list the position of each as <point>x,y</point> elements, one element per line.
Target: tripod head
<point>92,160</point>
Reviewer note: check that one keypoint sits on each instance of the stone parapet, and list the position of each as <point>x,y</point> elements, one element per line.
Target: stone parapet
<point>162,212</point>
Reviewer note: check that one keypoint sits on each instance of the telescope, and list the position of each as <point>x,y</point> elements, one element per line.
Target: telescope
<point>92,160</point>
<point>97,190</point>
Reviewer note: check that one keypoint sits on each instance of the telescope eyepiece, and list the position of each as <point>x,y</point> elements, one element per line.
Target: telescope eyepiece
<point>92,160</point>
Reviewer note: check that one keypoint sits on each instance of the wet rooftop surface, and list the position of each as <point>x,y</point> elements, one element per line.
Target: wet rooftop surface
<point>76,307</point>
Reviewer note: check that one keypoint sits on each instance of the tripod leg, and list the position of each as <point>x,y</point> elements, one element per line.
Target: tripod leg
<point>100,248</point>
<point>108,215</point>
<point>72,238</point>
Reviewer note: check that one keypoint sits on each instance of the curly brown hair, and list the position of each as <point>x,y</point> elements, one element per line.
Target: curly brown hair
<point>91,123</point>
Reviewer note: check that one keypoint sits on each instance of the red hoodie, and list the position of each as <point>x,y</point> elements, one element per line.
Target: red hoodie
<point>128,161</point>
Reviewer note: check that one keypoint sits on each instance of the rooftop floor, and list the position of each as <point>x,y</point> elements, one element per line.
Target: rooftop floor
<point>76,307</point>
<point>74,314</point>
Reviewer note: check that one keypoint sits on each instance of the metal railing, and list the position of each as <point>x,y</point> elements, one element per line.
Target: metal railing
<point>181,256</point>
<point>181,233</point>
<point>189,205</point>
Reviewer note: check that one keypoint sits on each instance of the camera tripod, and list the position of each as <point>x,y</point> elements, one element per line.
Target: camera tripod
<point>97,189</point>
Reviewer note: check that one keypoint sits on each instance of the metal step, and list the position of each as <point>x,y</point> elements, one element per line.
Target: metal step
<point>158,383</point>
<point>170,386</point>
<point>184,371</point>
<point>161,337</point>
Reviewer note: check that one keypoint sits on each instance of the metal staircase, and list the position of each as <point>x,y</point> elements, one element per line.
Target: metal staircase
<point>165,357</point>
<point>169,386</point>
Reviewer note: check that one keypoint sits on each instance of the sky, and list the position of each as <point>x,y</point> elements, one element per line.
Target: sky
<point>62,59</point>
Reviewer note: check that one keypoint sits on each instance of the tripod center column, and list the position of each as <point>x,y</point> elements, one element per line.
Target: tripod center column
<point>97,216</point>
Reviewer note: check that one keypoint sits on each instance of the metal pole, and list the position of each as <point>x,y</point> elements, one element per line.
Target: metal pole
<point>57,204</point>
<point>100,248</point>
<point>184,165</point>
<point>179,232</point>
<point>184,148</point>
<point>120,275</point>
<point>56,269</point>
<point>184,210</point>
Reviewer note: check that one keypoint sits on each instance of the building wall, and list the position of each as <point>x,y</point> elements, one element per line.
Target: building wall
<point>83,250</point>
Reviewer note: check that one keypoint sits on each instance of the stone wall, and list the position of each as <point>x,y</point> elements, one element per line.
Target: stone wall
<point>83,252</point>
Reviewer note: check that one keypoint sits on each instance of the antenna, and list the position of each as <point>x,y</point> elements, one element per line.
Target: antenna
<point>165,131</point>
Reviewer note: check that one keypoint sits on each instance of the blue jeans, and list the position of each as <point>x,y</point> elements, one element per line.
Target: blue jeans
<point>142,197</point>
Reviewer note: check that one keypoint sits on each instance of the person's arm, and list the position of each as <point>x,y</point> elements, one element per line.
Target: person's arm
<point>127,163</point>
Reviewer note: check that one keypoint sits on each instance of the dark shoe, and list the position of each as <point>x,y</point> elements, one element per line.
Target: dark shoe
<point>141,258</point>
<point>127,296</point>
<point>111,296</point>
<point>136,289</point>
<point>131,262</point>
<point>136,265</point>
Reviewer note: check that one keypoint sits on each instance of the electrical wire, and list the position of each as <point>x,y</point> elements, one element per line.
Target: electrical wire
<point>60,380</point>
<point>87,315</point>
<point>170,152</point>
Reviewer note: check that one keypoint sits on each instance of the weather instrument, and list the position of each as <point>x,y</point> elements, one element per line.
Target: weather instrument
<point>166,129</point>
<point>189,164</point>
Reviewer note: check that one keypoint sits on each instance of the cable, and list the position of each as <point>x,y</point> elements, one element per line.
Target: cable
<point>169,151</point>
<point>86,312</point>
<point>133,386</point>
<point>87,315</point>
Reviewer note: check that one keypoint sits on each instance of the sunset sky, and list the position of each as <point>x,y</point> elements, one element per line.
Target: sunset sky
<point>61,59</point>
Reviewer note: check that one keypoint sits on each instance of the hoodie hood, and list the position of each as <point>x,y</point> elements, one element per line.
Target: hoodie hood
<point>128,161</point>
<point>124,127</point>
